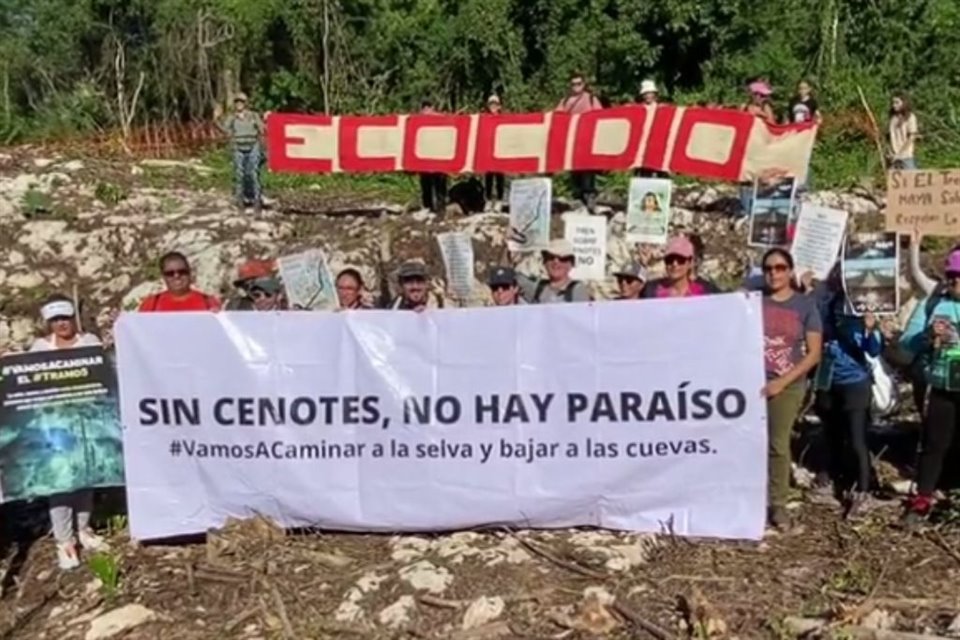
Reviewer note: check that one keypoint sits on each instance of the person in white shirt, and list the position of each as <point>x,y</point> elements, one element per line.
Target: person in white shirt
<point>59,314</point>
<point>904,132</point>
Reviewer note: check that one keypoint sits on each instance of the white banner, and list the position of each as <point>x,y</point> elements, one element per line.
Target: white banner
<point>608,415</point>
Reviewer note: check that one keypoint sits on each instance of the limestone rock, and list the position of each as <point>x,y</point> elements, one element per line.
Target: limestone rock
<point>398,614</point>
<point>117,621</point>
<point>425,576</point>
<point>481,611</point>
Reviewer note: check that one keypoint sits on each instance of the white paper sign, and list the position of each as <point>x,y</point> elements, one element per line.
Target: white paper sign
<point>457,252</point>
<point>307,281</point>
<point>385,421</point>
<point>530,206</point>
<point>648,210</point>
<point>588,235</point>
<point>817,240</point>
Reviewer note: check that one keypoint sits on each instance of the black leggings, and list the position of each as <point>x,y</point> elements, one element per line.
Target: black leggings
<point>433,191</point>
<point>845,412</point>
<point>940,424</point>
<point>493,186</point>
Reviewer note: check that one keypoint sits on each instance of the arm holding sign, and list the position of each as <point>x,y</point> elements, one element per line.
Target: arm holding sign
<point>922,280</point>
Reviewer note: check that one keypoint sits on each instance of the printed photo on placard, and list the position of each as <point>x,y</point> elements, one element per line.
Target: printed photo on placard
<point>307,281</point>
<point>530,206</point>
<point>771,211</point>
<point>870,269</point>
<point>456,249</point>
<point>59,423</point>
<point>648,210</point>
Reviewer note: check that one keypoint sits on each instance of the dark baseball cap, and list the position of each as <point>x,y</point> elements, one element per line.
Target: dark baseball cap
<point>412,269</point>
<point>632,270</point>
<point>502,276</point>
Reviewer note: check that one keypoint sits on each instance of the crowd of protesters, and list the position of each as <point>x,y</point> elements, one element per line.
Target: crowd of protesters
<point>813,343</point>
<point>245,128</point>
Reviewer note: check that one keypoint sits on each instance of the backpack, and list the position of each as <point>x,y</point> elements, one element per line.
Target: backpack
<point>542,285</point>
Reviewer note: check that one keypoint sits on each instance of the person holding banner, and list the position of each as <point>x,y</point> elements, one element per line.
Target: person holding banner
<point>494,183</point>
<point>350,288</point>
<point>681,280</point>
<point>504,288</point>
<point>933,337</point>
<point>180,294</point>
<point>793,342</point>
<point>631,280</point>
<point>60,316</point>
<point>559,260</point>
<point>433,186</point>
<point>249,273</point>
<point>844,387</point>
<point>414,294</point>
<point>582,100</point>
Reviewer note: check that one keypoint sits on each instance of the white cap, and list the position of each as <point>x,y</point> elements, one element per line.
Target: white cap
<point>648,86</point>
<point>57,309</point>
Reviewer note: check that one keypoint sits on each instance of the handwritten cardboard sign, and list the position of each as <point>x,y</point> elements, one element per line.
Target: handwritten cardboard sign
<point>926,200</point>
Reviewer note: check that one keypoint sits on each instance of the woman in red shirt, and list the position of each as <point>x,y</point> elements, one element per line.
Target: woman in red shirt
<point>180,294</point>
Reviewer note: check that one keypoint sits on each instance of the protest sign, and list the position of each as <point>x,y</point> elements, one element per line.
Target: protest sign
<point>530,206</point>
<point>457,252</point>
<point>818,238</point>
<point>382,421</point>
<point>648,210</point>
<point>307,281</point>
<point>588,235</point>
<point>928,201</point>
<point>771,211</point>
<point>870,267</point>
<point>59,423</point>
<point>722,144</point>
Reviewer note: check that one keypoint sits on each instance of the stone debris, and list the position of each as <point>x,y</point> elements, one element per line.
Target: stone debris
<point>425,576</point>
<point>398,614</point>
<point>481,611</point>
<point>117,621</point>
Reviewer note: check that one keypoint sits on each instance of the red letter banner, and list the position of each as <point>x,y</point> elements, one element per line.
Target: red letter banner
<point>705,143</point>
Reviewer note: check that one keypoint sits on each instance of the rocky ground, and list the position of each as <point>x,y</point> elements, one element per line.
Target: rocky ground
<point>100,225</point>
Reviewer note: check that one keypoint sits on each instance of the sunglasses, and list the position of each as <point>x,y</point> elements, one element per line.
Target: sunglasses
<point>501,287</point>
<point>548,257</point>
<point>953,275</point>
<point>776,268</point>
<point>627,280</point>
<point>412,279</point>
<point>176,273</point>
<point>675,259</point>
<point>259,294</point>
<point>576,83</point>
<point>61,319</point>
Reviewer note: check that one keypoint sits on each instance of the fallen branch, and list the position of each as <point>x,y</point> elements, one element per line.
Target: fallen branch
<point>937,538</point>
<point>440,603</point>
<point>281,610</point>
<point>653,629</point>
<point>560,562</point>
<point>813,627</point>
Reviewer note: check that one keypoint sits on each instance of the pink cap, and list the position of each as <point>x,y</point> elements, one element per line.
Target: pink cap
<point>761,88</point>
<point>679,246</point>
<point>952,263</point>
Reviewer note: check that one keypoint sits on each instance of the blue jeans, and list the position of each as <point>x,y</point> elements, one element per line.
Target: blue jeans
<point>905,164</point>
<point>246,173</point>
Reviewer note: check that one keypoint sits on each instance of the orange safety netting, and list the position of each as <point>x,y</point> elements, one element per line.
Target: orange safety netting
<point>167,140</point>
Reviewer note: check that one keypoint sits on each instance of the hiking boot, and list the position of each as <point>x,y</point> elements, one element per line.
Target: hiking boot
<point>91,541</point>
<point>779,518</point>
<point>916,512</point>
<point>67,557</point>
<point>858,504</point>
<point>258,208</point>
<point>240,204</point>
<point>823,492</point>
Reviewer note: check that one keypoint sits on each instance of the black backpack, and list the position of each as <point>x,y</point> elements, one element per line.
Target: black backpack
<point>567,292</point>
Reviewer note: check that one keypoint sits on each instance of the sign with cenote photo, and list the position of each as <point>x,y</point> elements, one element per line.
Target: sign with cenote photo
<point>59,423</point>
